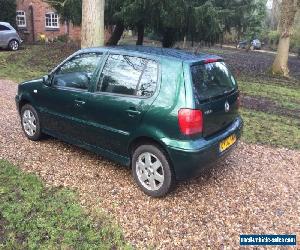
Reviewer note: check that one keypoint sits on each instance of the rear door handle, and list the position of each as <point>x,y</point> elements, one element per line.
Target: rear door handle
<point>133,112</point>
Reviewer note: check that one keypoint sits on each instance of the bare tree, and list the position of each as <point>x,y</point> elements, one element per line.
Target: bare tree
<point>285,28</point>
<point>92,28</point>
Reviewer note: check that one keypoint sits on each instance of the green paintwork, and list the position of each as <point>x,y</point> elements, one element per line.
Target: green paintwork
<point>101,122</point>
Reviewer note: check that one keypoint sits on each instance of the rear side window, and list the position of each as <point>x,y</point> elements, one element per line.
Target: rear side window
<point>128,75</point>
<point>147,85</point>
<point>2,28</point>
<point>212,80</point>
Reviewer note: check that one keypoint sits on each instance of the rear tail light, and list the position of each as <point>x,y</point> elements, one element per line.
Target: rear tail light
<point>211,60</point>
<point>190,121</point>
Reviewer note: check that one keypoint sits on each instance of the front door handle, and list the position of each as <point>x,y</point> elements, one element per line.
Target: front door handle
<point>133,112</point>
<point>79,102</point>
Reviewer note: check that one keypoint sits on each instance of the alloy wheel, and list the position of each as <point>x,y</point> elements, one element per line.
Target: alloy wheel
<point>14,45</point>
<point>29,123</point>
<point>150,171</point>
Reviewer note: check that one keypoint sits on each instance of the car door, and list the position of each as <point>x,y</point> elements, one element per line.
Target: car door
<point>4,31</point>
<point>124,92</point>
<point>62,102</point>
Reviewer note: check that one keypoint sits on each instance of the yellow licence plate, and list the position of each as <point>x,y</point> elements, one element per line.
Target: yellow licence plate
<point>229,141</point>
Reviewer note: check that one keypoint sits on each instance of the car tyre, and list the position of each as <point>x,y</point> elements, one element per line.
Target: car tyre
<point>152,170</point>
<point>30,122</point>
<point>13,45</point>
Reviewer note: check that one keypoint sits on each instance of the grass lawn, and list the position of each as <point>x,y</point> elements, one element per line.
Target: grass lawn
<point>285,96</point>
<point>275,130</point>
<point>33,61</point>
<point>33,216</point>
<point>278,125</point>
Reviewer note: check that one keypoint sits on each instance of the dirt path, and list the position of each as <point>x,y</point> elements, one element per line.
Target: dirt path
<point>255,191</point>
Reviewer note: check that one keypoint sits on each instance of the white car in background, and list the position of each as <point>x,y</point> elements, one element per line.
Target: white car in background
<point>256,44</point>
<point>9,37</point>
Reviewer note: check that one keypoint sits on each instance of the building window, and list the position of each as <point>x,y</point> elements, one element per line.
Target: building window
<point>21,18</point>
<point>52,20</point>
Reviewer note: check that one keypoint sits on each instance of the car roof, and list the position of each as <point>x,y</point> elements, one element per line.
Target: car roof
<point>5,23</point>
<point>156,52</point>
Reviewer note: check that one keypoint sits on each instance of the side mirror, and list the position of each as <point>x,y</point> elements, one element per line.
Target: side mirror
<point>88,76</point>
<point>46,80</point>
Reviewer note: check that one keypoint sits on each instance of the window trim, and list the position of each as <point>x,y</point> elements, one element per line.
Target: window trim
<point>51,26</point>
<point>95,92</point>
<point>21,15</point>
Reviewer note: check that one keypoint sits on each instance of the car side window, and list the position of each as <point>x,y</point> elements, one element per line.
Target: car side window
<point>3,28</point>
<point>77,72</point>
<point>148,81</point>
<point>127,75</point>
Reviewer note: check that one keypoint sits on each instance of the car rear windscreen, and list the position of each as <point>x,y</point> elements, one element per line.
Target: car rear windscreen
<point>212,80</point>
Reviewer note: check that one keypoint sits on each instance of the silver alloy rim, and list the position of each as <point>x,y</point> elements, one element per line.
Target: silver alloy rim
<point>150,171</point>
<point>14,45</point>
<point>29,123</point>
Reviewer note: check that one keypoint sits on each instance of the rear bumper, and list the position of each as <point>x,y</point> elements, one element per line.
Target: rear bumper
<point>196,156</point>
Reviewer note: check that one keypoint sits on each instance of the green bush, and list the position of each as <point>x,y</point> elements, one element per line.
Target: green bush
<point>63,38</point>
<point>8,11</point>
<point>273,37</point>
<point>295,42</point>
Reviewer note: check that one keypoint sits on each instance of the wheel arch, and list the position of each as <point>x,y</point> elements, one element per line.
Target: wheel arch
<point>23,102</point>
<point>141,140</point>
<point>144,140</point>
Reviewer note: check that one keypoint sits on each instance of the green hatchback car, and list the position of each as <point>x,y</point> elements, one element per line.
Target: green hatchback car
<point>165,113</point>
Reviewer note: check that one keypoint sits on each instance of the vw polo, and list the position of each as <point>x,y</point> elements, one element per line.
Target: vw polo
<point>167,114</point>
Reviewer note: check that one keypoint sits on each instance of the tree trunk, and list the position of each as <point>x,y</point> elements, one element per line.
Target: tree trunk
<point>192,37</point>
<point>184,42</point>
<point>141,33</point>
<point>280,65</point>
<point>168,38</point>
<point>116,35</point>
<point>92,28</point>
<point>288,12</point>
<point>68,29</point>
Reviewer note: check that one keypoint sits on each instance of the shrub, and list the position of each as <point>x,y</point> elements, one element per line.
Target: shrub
<point>63,38</point>
<point>273,37</point>
<point>295,42</point>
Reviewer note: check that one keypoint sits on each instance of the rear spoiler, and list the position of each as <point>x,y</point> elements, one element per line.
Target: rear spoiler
<point>208,60</point>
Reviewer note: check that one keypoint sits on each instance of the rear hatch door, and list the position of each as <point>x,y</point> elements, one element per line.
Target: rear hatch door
<point>216,94</point>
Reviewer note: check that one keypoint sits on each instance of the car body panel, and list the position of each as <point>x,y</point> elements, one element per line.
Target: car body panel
<point>102,123</point>
<point>7,35</point>
<point>190,158</point>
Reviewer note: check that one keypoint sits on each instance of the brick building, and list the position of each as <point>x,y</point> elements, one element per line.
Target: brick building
<point>36,18</point>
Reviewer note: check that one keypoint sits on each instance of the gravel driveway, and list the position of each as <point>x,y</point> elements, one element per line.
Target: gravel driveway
<point>256,190</point>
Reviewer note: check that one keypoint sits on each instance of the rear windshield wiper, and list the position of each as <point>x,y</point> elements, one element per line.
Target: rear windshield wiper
<point>210,98</point>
